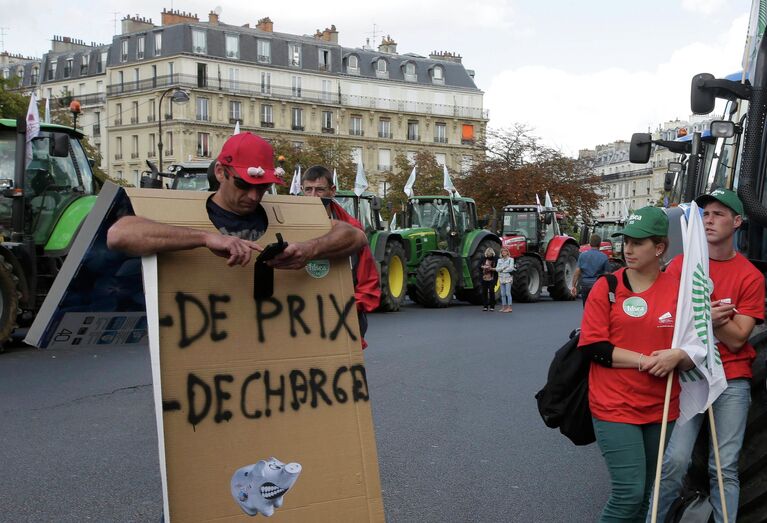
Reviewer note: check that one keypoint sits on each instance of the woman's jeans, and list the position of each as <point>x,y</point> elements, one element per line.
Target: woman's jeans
<point>506,294</point>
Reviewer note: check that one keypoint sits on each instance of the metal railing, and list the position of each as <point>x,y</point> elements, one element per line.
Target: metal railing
<point>328,130</point>
<point>356,132</point>
<point>383,134</point>
<point>269,125</point>
<point>286,92</point>
<point>440,139</point>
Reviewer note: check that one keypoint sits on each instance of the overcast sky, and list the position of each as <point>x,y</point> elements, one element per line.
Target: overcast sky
<point>580,73</point>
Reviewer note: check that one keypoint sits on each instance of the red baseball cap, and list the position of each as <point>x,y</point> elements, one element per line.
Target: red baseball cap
<point>252,158</point>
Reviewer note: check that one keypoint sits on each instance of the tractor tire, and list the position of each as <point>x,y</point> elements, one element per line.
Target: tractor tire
<point>564,268</point>
<point>753,454</point>
<point>435,282</point>
<point>528,280</point>
<point>474,295</point>
<point>412,294</point>
<point>9,300</point>
<point>393,277</point>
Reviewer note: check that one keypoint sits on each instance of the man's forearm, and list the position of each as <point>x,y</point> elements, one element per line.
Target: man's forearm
<point>343,240</point>
<point>138,236</point>
<point>735,332</point>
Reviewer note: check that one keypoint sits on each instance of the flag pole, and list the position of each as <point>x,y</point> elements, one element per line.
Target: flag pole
<point>719,478</point>
<point>661,446</point>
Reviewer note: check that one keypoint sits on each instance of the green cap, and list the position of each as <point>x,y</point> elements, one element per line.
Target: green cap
<point>725,197</point>
<point>646,222</point>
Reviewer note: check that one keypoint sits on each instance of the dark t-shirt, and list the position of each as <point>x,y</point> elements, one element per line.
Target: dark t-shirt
<point>250,227</point>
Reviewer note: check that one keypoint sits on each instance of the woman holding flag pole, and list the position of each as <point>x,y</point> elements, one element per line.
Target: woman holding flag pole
<point>628,340</point>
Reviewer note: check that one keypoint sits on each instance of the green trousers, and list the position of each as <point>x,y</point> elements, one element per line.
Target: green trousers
<point>631,453</point>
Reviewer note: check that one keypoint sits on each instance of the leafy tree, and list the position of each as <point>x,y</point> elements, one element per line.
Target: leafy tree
<point>428,180</point>
<point>331,153</point>
<point>12,103</point>
<point>517,166</point>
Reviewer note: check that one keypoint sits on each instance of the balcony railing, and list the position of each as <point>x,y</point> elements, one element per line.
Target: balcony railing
<point>118,156</point>
<point>440,139</point>
<point>414,137</point>
<point>134,119</point>
<point>150,118</point>
<point>328,130</point>
<point>96,130</point>
<point>151,154</point>
<point>235,120</point>
<point>133,156</point>
<point>356,132</point>
<point>467,141</point>
<point>384,167</point>
<point>118,121</point>
<point>202,117</point>
<point>309,95</point>
<point>168,152</point>
<point>383,134</point>
<point>297,127</point>
<point>269,125</point>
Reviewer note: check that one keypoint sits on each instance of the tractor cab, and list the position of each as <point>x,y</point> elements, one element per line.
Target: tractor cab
<point>364,208</point>
<point>526,228</point>
<point>190,176</point>
<point>449,217</point>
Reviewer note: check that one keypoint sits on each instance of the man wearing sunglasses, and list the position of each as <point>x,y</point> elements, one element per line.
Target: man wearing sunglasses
<point>245,171</point>
<point>318,181</point>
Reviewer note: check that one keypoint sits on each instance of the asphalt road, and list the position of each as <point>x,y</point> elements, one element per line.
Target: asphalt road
<point>458,434</point>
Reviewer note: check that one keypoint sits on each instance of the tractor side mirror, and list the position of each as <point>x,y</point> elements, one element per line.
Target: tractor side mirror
<point>549,218</point>
<point>375,203</point>
<point>59,145</point>
<point>639,150</point>
<point>702,101</point>
<point>668,181</point>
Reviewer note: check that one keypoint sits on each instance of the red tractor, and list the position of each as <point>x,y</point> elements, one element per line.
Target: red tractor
<point>612,247</point>
<point>542,254</point>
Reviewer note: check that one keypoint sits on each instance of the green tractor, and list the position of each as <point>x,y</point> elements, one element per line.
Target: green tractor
<point>42,207</point>
<point>388,247</point>
<point>445,249</point>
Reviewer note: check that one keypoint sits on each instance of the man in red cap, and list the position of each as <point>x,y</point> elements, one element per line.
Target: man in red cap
<point>245,171</point>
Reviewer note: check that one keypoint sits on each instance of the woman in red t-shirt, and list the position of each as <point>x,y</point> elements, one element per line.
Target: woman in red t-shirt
<point>628,342</point>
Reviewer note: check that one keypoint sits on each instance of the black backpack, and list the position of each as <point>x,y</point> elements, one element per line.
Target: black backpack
<point>564,401</point>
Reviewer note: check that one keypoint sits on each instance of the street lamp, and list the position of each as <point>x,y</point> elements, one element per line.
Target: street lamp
<point>179,96</point>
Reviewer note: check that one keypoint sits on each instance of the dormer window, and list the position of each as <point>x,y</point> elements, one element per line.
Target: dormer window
<point>438,75</point>
<point>233,46</point>
<point>353,64</point>
<point>382,68</point>
<point>410,75</point>
<point>294,55</point>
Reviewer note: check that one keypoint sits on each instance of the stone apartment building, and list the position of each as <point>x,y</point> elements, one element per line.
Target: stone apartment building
<point>378,102</point>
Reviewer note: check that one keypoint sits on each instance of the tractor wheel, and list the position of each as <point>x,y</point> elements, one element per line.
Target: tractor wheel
<point>564,268</point>
<point>474,295</point>
<point>413,295</point>
<point>393,277</point>
<point>528,279</point>
<point>9,300</point>
<point>753,454</point>
<point>435,281</point>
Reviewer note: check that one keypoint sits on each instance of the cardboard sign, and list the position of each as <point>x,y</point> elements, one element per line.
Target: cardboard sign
<point>262,406</point>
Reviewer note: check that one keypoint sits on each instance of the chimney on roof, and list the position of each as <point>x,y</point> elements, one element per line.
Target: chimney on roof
<point>266,25</point>
<point>132,24</point>
<point>213,18</point>
<point>63,44</point>
<point>446,56</point>
<point>171,16</point>
<point>388,45</point>
<point>328,35</point>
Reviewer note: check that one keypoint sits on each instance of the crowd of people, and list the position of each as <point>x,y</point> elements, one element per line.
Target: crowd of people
<point>628,339</point>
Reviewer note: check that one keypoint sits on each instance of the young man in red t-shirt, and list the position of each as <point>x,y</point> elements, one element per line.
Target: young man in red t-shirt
<point>737,304</point>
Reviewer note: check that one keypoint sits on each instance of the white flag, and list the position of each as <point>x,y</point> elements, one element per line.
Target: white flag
<point>335,179</point>
<point>447,183</point>
<point>538,202</point>
<point>626,212</point>
<point>409,184</point>
<point>47,110</point>
<point>393,223</point>
<point>693,332</point>
<point>236,128</point>
<point>33,125</point>
<point>548,201</point>
<point>295,184</point>
<point>360,182</point>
